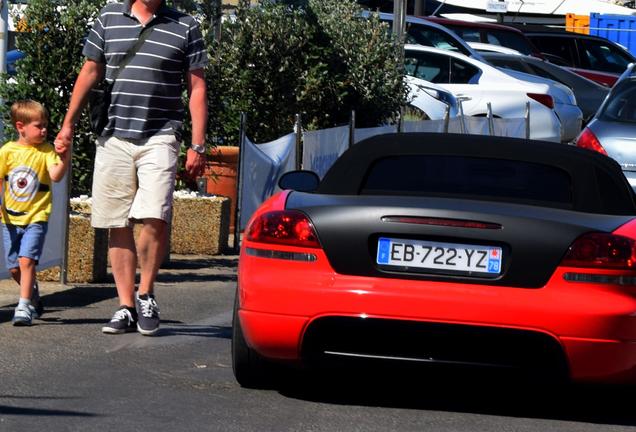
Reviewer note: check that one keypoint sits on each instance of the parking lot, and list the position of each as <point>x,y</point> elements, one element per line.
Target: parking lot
<point>63,374</point>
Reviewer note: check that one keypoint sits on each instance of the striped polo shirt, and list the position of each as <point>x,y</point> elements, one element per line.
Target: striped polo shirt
<point>147,96</point>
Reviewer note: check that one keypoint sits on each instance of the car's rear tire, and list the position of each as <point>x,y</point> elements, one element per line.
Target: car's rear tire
<point>249,368</point>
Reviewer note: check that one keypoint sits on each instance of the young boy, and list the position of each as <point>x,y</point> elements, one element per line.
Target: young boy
<point>27,168</point>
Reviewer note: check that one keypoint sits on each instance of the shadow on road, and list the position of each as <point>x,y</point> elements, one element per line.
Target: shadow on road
<point>490,394</point>
<point>220,332</point>
<point>10,410</point>
<point>194,277</point>
<point>180,269</point>
<point>78,296</point>
<point>186,268</point>
<point>186,263</point>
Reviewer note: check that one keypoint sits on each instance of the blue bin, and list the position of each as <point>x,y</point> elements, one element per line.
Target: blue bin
<point>617,28</point>
<point>12,57</point>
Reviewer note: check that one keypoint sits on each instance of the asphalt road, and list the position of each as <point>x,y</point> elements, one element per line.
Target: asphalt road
<point>62,374</point>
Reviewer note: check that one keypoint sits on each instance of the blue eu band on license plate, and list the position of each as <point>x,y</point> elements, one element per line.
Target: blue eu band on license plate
<point>452,257</point>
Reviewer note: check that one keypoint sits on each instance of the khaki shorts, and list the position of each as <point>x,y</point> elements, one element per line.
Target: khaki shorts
<point>133,179</point>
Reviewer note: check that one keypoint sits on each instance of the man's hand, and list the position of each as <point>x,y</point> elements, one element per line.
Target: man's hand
<point>90,74</point>
<point>64,140</point>
<point>195,163</point>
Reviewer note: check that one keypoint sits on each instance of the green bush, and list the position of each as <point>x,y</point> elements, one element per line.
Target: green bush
<point>52,42</point>
<point>317,58</point>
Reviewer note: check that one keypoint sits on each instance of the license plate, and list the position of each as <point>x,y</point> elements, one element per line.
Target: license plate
<point>444,257</point>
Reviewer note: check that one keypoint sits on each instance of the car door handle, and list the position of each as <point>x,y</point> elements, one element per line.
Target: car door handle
<point>461,97</point>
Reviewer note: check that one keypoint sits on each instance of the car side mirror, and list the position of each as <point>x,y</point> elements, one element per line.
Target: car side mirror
<point>300,181</point>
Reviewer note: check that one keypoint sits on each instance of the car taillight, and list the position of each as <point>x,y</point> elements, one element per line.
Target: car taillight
<point>588,140</point>
<point>286,227</point>
<point>602,251</point>
<point>543,99</point>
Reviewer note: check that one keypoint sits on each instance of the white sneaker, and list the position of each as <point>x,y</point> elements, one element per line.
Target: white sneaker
<point>23,315</point>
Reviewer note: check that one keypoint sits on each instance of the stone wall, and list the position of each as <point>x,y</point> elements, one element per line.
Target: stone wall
<point>87,252</point>
<point>200,225</point>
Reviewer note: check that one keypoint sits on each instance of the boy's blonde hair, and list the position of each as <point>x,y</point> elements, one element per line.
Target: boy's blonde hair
<point>26,111</point>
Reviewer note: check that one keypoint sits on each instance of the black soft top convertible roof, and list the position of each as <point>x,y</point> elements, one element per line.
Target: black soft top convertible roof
<point>598,184</point>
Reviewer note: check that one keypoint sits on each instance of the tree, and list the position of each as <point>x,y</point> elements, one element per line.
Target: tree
<point>318,58</point>
<point>52,40</point>
<point>52,35</point>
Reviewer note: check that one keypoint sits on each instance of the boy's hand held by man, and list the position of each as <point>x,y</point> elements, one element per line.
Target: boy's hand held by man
<point>63,140</point>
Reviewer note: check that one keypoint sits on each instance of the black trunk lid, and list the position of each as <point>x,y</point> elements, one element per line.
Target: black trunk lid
<point>533,239</point>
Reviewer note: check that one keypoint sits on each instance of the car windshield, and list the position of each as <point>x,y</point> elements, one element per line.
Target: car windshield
<point>527,67</point>
<point>468,34</point>
<point>621,104</point>
<point>546,72</point>
<point>558,50</point>
<point>431,36</point>
<point>475,178</point>
<point>605,57</point>
<point>507,63</point>
<point>509,39</point>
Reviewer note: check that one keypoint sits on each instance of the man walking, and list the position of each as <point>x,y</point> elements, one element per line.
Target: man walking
<point>137,152</point>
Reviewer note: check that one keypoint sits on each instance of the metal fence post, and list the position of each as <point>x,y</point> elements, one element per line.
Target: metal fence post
<point>4,34</point>
<point>64,264</point>
<point>216,19</point>
<point>527,118</point>
<point>491,122</point>
<point>299,143</point>
<point>239,183</point>
<point>399,18</point>
<point>446,118</point>
<point>461,116</point>
<point>352,129</point>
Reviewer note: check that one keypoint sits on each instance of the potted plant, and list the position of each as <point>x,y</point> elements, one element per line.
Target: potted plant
<point>221,175</point>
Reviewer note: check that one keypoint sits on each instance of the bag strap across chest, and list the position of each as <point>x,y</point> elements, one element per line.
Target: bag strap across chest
<point>145,32</point>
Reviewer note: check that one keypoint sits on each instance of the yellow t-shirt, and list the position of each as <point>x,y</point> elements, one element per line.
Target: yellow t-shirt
<point>26,193</point>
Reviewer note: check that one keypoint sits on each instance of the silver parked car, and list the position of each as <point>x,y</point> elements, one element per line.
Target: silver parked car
<point>612,130</point>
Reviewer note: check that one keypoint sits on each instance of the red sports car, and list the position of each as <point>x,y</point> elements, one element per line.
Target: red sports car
<point>449,249</point>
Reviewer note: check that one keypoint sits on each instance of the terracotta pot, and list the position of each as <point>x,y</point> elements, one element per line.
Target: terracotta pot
<point>220,172</point>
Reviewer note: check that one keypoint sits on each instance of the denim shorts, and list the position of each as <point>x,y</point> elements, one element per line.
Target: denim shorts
<point>23,241</point>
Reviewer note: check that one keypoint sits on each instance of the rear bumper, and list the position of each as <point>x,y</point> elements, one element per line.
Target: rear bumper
<point>571,119</point>
<point>544,123</point>
<point>609,361</point>
<point>593,325</point>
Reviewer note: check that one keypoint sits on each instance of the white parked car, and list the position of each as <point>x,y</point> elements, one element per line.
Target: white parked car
<point>431,99</point>
<point>489,48</point>
<point>565,107</point>
<point>476,83</point>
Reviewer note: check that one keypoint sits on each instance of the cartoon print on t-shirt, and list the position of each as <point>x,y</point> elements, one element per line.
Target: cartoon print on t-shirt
<point>23,184</point>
